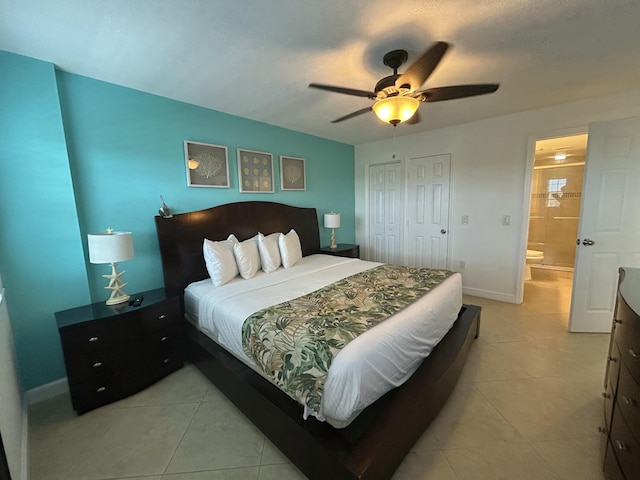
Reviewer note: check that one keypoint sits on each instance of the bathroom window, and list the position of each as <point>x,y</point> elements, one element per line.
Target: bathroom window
<point>554,191</point>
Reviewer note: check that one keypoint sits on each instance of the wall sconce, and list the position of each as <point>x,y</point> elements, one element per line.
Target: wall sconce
<point>112,247</point>
<point>397,109</point>
<point>332,221</point>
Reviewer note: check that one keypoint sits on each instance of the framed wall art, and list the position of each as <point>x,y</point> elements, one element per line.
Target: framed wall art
<point>255,171</point>
<point>207,165</point>
<point>292,173</point>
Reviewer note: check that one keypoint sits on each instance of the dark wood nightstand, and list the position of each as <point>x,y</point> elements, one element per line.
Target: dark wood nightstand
<point>113,352</point>
<point>343,250</point>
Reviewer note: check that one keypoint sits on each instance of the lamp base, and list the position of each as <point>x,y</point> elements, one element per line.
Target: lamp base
<point>333,239</point>
<point>116,286</point>
<point>117,300</point>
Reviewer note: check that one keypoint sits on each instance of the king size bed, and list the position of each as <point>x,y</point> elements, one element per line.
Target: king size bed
<point>368,395</point>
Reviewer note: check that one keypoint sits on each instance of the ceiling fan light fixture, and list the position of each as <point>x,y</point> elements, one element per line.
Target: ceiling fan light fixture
<point>397,109</point>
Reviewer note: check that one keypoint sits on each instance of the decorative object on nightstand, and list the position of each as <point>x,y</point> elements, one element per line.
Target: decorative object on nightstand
<point>343,250</point>
<point>332,221</point>
<point>113,353</point>
<point>112,247</point>
<point>164,210</point>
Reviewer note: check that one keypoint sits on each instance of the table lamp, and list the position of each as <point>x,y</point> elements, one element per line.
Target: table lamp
<point>112,247</point>
<point>332,221</point>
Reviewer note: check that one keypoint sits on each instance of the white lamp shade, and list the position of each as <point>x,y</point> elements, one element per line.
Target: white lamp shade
<point>332,220</point>
<point>110,247</point>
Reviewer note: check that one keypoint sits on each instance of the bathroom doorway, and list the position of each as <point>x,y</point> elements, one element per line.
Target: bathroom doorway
<point>556,195</point>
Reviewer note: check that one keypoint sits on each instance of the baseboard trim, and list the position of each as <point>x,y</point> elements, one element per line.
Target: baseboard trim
<point>478,292</point>
<point>47,391</point>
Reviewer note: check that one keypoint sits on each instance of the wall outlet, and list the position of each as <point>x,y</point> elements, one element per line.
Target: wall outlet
<point>462,264</point>
<point>465,219</point>
<point>506,220</point>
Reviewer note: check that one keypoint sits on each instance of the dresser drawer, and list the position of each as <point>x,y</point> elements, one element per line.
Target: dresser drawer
<point>625,447</point>
<point>611,468</point>
<point>627,335</point>
<point>96,336</point>
<point>93,393</point>
<point>608,405</point>
<point>628,401</point>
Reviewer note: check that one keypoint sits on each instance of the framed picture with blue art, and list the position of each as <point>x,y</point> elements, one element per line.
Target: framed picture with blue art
<point>292,173</point>
<point>207,165</point>
<point>255,171</point>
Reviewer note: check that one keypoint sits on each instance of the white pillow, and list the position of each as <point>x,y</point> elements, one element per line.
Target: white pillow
<point>290,248</point>
<point>247,257</point>
<point>269,252</point>
<point>220,260</point>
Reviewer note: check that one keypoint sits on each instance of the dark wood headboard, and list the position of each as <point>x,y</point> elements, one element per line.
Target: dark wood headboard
<point>181,236</point>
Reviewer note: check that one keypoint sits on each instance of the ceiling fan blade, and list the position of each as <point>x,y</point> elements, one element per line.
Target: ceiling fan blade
<point>422,67</point>
<point>452,92</point>
<point>346,91</point>
<point>353,114</point>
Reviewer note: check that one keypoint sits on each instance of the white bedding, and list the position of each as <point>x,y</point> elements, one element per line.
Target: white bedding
<point>369,366</point>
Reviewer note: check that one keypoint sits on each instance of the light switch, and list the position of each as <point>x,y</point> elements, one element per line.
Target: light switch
<point>465,220</point>
<point>506,220</point>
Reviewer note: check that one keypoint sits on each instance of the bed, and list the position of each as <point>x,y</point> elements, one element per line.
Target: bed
<point>372,442</point>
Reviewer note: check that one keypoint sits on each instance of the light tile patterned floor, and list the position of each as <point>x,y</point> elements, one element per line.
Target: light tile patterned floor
<point>527,407</point>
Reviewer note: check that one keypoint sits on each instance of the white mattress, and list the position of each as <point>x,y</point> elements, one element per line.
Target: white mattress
<point>369,366</point>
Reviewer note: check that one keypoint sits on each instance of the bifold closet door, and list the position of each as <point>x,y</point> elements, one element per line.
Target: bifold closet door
<point>385,213</point>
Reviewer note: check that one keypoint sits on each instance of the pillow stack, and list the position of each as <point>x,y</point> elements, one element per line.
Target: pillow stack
<point>229,258</point>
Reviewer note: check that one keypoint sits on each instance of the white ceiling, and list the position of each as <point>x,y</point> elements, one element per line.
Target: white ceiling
<point>255,58</point>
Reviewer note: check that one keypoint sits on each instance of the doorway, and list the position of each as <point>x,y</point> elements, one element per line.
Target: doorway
<point>554,215</point>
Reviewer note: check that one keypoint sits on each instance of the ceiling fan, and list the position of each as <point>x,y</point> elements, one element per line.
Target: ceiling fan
<point>397,96</point>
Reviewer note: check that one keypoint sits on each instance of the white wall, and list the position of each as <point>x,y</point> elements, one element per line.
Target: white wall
<point>490,163</point>
<point>11,405</point>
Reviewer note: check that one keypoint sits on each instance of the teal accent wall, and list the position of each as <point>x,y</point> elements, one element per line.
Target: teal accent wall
<point>104,155</point>
<point>41,257</point>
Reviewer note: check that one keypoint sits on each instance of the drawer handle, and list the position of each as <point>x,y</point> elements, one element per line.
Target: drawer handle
<point>632,353</point>
<point>162,317</point>
<point>93,339</point>
<point>605,395</point>
<point>620,446</point>
<point>97,364</point>
<point>629,402</point>
<point>101,389</point>
<point>602,430</point>
<point>164,339</point>
<point>612,359</point>
<point>615,320</point>
<point>166,360</point>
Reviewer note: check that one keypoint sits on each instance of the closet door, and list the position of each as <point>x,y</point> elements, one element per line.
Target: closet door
<point>385,213</point>
<point>427,211</point>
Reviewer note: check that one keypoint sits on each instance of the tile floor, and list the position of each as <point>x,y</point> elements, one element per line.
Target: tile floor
<point>527,407</point>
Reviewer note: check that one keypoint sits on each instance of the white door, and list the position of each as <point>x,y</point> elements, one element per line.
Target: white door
<point>385,213</point>
<point>427,211</point>
<point>609,230</point>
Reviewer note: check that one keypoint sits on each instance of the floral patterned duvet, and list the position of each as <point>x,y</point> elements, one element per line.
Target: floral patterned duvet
<point>295,342</point>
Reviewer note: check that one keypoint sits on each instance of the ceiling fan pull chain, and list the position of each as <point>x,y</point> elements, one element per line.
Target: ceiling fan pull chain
<point>393,155</point>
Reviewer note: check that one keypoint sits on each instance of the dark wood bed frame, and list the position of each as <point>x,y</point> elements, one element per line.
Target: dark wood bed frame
<point>376,442</point>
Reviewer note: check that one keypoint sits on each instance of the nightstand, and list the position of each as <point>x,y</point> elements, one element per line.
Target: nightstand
<point>343,250</point>
<point>112,352</point>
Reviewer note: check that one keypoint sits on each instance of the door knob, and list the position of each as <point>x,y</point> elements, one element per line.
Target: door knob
<point>443,231</point>
<point>587,242</point>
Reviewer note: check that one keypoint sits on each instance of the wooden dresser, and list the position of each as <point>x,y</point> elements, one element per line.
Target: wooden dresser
<point>622,383</point>
<point>113,352</point>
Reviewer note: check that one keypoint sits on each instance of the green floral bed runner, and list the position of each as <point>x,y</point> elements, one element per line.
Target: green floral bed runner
<point>294,342</point>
